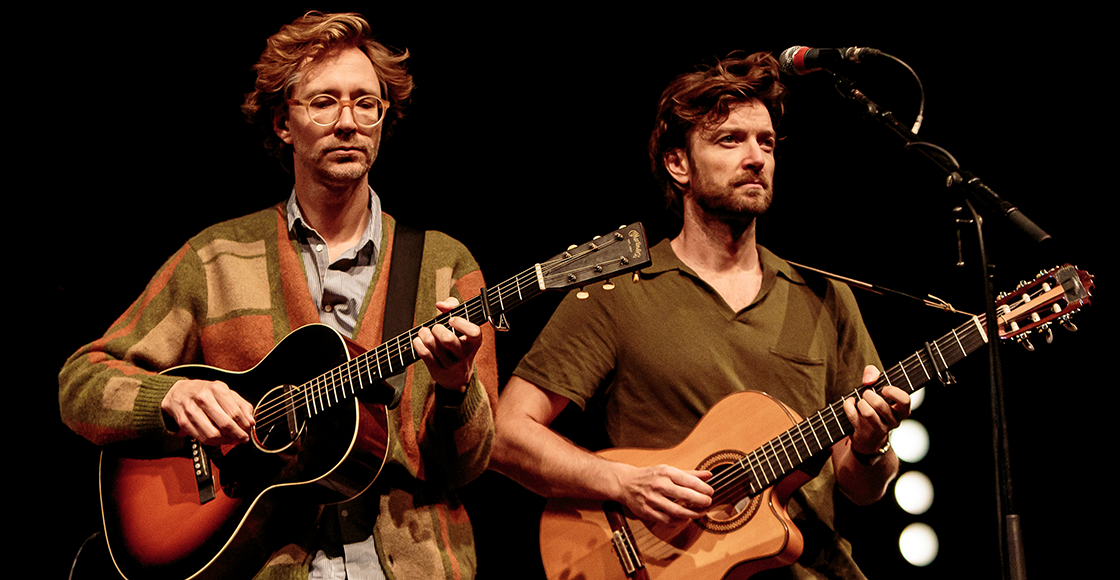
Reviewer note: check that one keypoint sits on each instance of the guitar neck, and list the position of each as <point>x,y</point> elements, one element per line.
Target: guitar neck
<point>819,432</point>
<point>396,354</point>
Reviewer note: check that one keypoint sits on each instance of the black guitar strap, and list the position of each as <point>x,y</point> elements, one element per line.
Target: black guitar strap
<point>404,275</point>
<point>353,520</point>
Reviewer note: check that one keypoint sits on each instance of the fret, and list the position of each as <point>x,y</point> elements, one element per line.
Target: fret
<point>306,400</point>
<point>831,408</point>
<point>348,373</point>
<point>802,437</point>
<point>919,357</point>
<point>819,444</point>
<point>785,449</point>
<point>944,365</point>
<point>752,467</point>
<point>355,382</point>
<point>766,456</point>
<point>959,345</point>
<point>907,377</point>
<point>501,303</point>
<point>836,416</point>
<point>315,397</point>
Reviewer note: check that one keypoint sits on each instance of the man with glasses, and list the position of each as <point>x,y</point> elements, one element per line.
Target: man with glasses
<point>325,93</point>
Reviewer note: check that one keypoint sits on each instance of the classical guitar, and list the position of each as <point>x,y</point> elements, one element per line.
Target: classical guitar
<point>753,444</point>
<point>177,510</point>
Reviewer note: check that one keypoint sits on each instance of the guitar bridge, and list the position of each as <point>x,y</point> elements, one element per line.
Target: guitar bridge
<point>203,477</point>
<point>623,540</point>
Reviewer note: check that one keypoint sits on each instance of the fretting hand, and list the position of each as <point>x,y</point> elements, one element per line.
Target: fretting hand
<point>449,352</point>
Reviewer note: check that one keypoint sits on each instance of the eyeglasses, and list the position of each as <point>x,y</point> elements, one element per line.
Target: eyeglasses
<point>325,110</point>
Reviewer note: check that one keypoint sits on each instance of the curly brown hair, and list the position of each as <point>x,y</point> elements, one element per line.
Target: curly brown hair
<point>704,98</point>
<point>309,38</point>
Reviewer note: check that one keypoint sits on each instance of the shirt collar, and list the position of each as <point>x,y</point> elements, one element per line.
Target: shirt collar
<point>665,259</point>
<point>773,268</point>
<point>372,235</point>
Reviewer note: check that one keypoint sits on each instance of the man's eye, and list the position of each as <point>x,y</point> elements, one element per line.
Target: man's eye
<point>322,103</point>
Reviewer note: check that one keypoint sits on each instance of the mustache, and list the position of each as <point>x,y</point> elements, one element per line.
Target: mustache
<point>750,177</point>
<point>348,147</point>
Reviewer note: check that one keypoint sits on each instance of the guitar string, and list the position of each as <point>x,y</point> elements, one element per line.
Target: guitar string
<point>316,392</point>
<point>794,437</point>
<point>946,347</point>
<point>952,348</point>
<point>778,450</point>
<point>312,393</point>
<point>967,338</point>
<point>384,353</point>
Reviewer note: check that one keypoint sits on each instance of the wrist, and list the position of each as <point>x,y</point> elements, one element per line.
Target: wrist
<point>870,459</point>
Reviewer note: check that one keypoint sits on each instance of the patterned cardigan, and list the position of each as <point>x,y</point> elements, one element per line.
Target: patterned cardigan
<point>225,299</point>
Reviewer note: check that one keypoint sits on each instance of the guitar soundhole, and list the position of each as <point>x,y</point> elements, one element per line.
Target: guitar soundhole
<point>733,505</point>
<point>280,419</point>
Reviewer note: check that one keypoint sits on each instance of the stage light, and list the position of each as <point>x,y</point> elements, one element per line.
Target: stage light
<point>910,441</point>
<point>918,544</point>
<point>917,398</point>
<point>914,492</point>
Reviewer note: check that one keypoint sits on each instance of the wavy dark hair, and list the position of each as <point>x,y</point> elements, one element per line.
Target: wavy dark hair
<point>308,39</point>
<point>704,99</point>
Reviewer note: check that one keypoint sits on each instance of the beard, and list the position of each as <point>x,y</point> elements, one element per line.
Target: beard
<point>727,202</point>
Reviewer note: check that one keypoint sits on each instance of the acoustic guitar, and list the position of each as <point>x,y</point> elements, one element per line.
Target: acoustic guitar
<point>175,510</point>
<point>753,444</point>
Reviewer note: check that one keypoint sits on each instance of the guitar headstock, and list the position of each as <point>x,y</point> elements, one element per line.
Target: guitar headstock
<point>1035,305</point>
<point>623,250</point>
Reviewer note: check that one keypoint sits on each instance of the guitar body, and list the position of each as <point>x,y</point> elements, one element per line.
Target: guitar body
<point>733,541</point>
<point>157,526</point>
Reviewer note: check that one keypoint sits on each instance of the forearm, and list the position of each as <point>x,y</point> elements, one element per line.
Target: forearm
<point>863,484</point>
<point>460,435</point>
<point>549,464</point>
<point>107,400</point>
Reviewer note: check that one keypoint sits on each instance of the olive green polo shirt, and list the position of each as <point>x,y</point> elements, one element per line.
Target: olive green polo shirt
<point>654,356</point>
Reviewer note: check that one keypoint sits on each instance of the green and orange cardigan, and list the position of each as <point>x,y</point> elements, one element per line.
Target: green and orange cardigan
<point>225,299</point>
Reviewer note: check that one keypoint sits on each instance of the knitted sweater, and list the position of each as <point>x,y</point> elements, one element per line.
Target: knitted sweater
<point>225,299</point>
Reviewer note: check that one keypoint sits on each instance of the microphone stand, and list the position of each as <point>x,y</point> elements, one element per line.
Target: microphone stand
<point>1012,556</point>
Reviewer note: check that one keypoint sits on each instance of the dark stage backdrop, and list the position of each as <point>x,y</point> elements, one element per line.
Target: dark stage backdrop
<point>527,133</point>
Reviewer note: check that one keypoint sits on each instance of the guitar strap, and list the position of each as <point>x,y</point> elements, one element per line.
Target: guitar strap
<point>352,521</point>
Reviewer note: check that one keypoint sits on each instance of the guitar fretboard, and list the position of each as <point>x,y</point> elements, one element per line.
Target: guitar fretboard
<point>764,466</point>
<point>396,354</point>
<point>596,260</point>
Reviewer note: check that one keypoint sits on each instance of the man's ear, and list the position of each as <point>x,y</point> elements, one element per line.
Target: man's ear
<point>676,163</point>
<point>280,125</point>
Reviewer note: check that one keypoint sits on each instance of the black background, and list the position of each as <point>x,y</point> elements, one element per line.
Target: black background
<point>527,133</point>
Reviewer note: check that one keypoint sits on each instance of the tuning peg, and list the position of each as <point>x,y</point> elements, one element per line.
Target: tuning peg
<point>608,285</point>
<point>1068,324</point>
<point>1025,343</point>
<point>636,277</point>
<point>1049,334</point>
<point>582,294</point>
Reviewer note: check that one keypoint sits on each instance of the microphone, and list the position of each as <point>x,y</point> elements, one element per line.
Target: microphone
<point>799,60</point>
